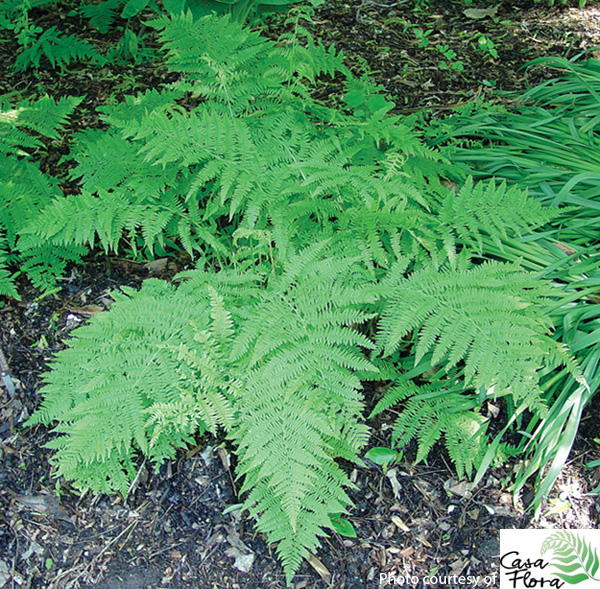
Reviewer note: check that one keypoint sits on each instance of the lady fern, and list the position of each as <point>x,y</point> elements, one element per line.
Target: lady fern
<point>484,316</point>
<point>355,233</point>
<point>435,410</point>
<point>256,151</point>
<point>25,190</point>
<point>274,366</point>
<point>111,389</point>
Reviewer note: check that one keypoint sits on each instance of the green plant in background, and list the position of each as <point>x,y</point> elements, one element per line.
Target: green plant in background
<point>25,190</point>
<point>487,46</point>
<point>422,35</point>
<point>449,62</point>
<point>241,11</point>
<point>58,48</point>
<point>61,49</point>
<point>551,148</point>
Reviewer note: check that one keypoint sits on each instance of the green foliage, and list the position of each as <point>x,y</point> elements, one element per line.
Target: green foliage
<point>433,411</point>
<point>254,144</point>
<point>474,328</point>
<point>143,350</point>
<point>25,190</point>
<point>240,11</point>
<point>272,365</point>
<point>61,49</point>
<point>551,148</point>
<point>102,15</point>
<point>485,317</point>
<point>58,48</point>
<point>321,227</point>
<point>21,124</point>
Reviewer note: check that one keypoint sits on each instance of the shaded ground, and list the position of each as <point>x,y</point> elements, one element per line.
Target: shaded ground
<point>171,531</point>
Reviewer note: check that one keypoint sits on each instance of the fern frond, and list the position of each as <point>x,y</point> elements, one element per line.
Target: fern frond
<point>486,316</point>
<point>125,377</point>
<point>59,49</point>
<point>101,15</point>
<point>301,405</point>
<point>11,8</point>
<point>43,262</point>
<point>24,190</point>
<point>431,412</point>
<point>44,116</point>
<point>237,70</point>
<point>485,208</point>
<point>7,287</point>
<point>134,109</point>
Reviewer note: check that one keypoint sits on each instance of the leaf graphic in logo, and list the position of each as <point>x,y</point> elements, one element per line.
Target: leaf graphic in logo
<point>576,559</point>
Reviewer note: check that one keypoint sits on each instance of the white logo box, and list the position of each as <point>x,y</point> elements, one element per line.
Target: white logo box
<point>543,559</point>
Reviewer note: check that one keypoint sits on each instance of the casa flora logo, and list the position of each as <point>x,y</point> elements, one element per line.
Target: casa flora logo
<point>537,559</point>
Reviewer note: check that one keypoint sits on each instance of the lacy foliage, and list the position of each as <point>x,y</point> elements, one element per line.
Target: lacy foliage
<point>341,257</point>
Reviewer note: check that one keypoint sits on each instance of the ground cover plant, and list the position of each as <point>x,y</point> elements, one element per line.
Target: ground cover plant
<point>350,224</point>
<point>61,48</point>
<point>549,145</point>
<point>332,251</point>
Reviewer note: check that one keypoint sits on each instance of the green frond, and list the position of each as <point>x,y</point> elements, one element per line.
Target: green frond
<point>25,190</point>
<point>12,8</point>
<point>101,15</point>
<point>59,49</point>
<point>43,262</point>
<point>127,115</point>
<point>301,404</point>
<point>7,287</point>
<point>438,411</point>
<point>227,70</point>
<point>487,316</point>
<point>127,372</point>
<point>44,117</point>
<point>485,208</point>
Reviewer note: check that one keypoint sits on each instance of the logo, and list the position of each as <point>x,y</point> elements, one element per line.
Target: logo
<point>549,558</point>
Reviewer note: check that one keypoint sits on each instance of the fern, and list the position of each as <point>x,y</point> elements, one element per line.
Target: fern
<point>277,372</point>
<point>45,117</point>
<point>107,388</point>
<point>257,151</point>
<point>101,15</point>
<point>464,328</point>
<point>487,209</point>
<point>485,316</point>
<point>7,287</point>
<point>58,48</point>
<point>24,190</point>
<point>439,410</point>
<point>323,224</point>
<point>300,411</point>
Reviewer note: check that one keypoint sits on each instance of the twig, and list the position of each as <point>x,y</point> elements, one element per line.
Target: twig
<point>5,374</point>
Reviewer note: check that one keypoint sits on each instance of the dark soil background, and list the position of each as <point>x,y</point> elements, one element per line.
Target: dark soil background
<point>415,520</point>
